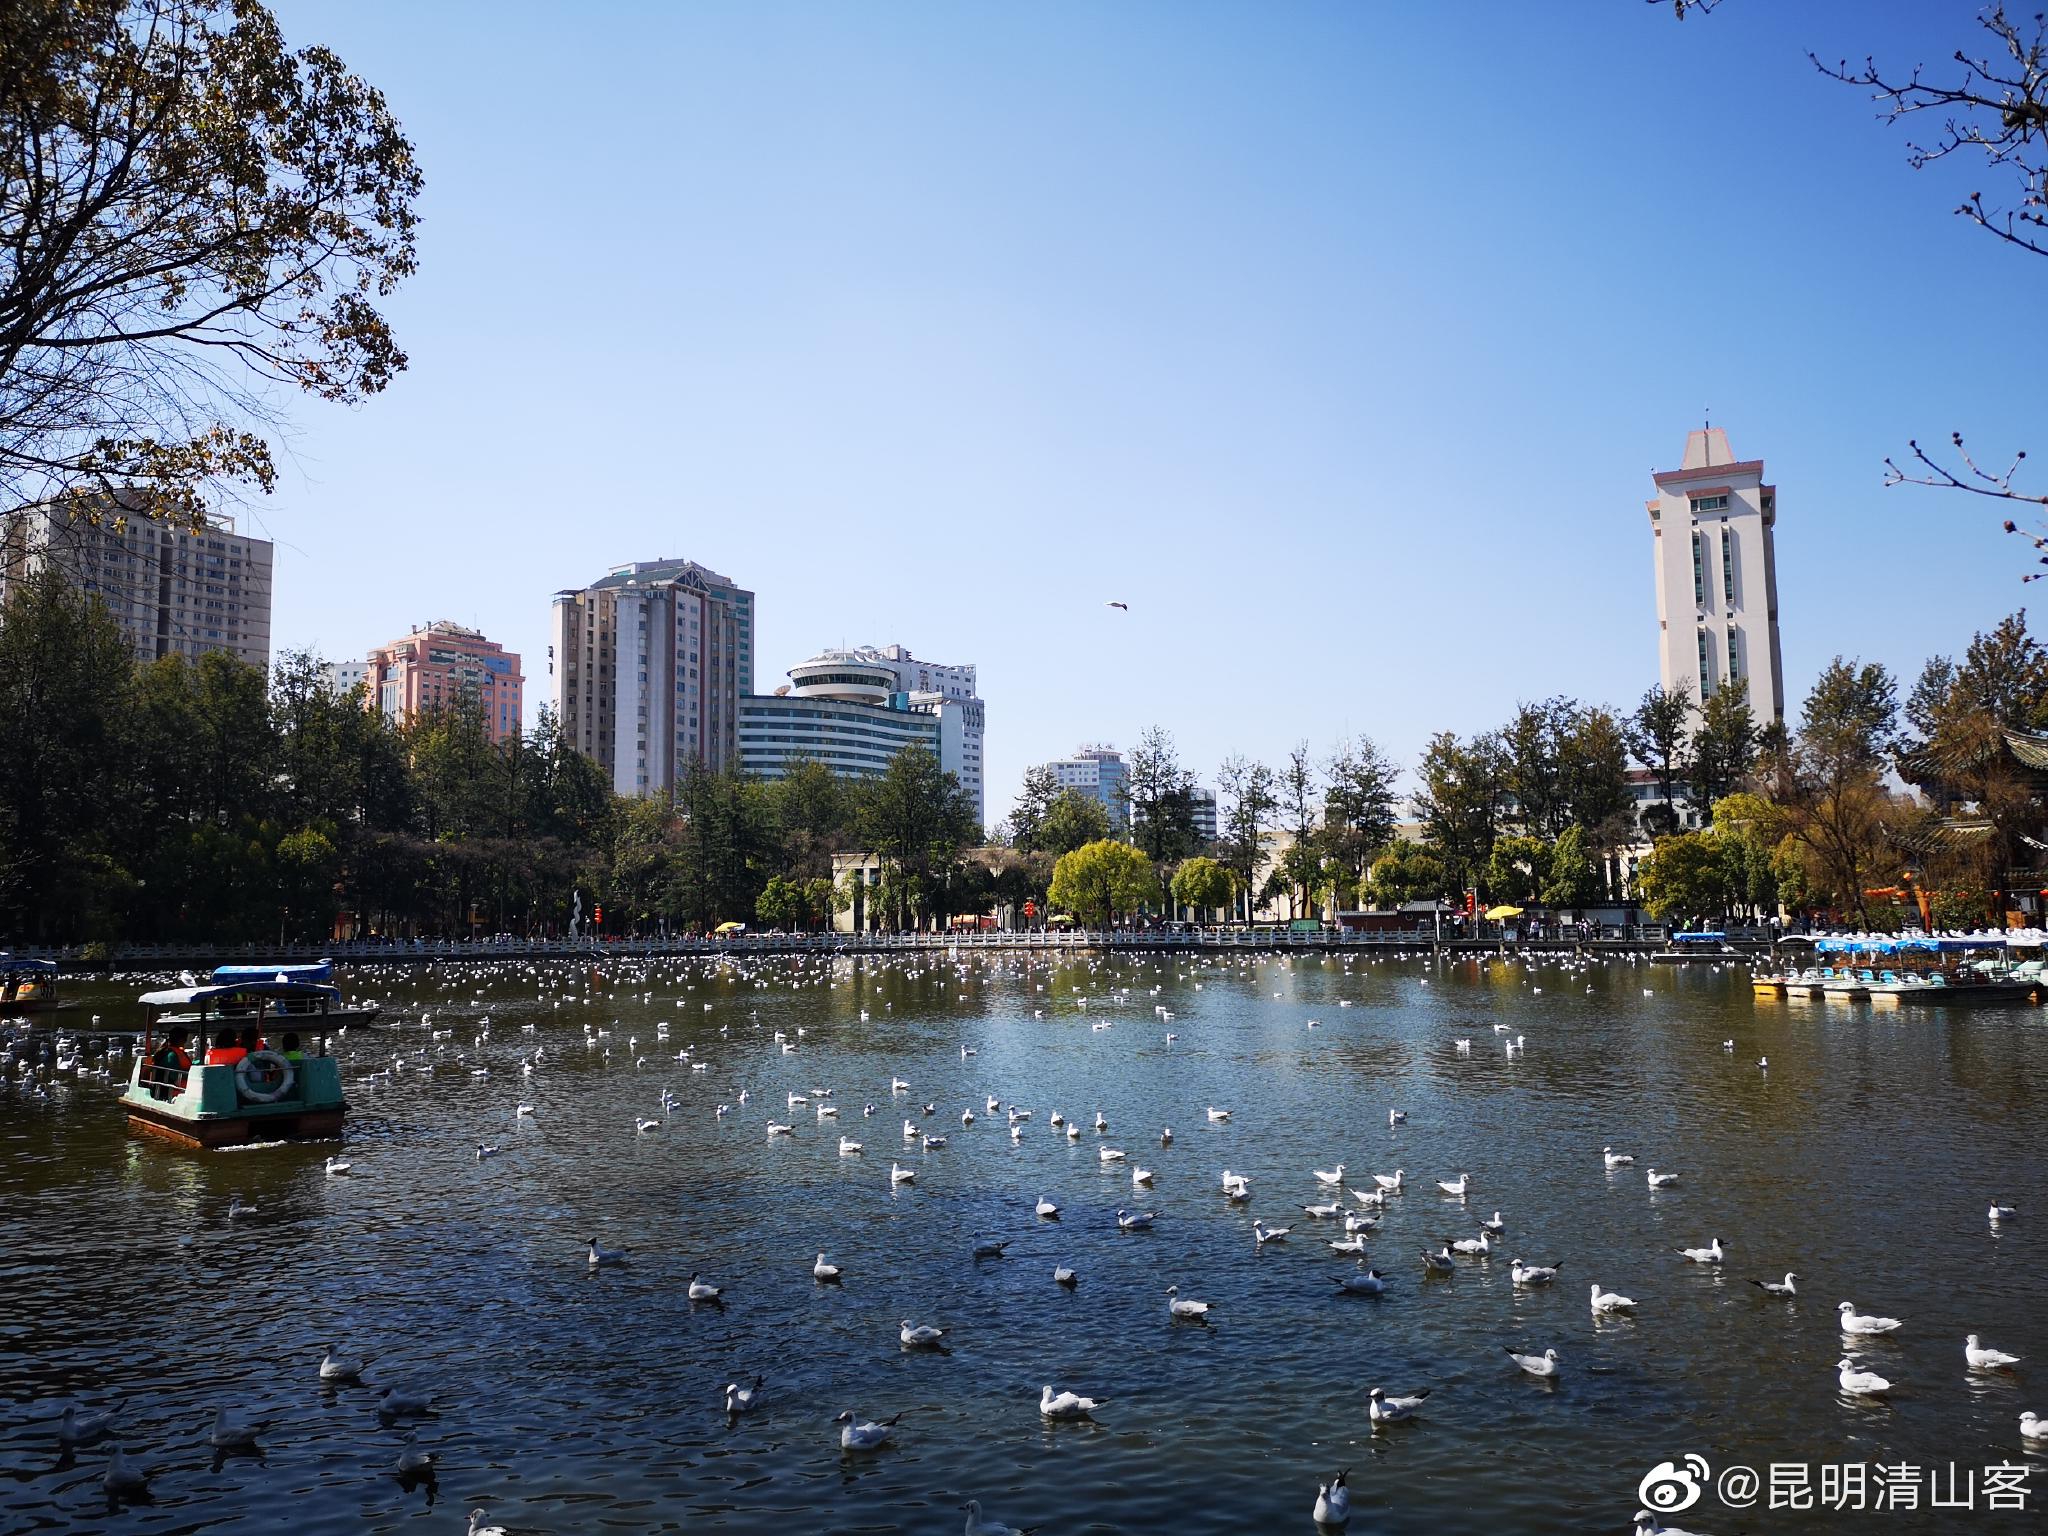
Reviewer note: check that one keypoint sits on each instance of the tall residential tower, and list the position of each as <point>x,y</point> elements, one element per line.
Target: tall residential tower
<point>649,667</point>
<point>1711,525</point>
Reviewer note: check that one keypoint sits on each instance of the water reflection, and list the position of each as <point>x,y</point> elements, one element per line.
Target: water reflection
<point>573,1398</point>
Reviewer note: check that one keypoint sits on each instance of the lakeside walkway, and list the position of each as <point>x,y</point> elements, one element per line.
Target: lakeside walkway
<point>157,957</point>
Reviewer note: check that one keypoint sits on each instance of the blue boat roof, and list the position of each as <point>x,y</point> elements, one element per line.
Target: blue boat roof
<point>1680,938</point>
<point>10,964</point>
<point>321,970</point>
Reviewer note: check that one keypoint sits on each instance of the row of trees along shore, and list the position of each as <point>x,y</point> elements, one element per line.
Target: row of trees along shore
<point>203,802</point>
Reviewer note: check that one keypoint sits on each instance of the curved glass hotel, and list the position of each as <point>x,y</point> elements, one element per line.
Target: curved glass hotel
<point>853,710</point>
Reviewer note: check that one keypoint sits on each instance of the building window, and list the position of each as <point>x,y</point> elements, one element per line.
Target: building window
<point>1699,571</point>
<point>1728,565</point>
<point>1734,654</point>
<point>1706,676</point>
<point>1704,504</point>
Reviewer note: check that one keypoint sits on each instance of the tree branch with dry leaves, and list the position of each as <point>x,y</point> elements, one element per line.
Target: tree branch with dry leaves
<point>193,218</point>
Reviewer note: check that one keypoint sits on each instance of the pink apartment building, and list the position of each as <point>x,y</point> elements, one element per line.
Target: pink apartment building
<point>433,666</point>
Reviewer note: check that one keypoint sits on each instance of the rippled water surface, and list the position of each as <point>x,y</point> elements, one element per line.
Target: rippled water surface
<point>571,1400</point>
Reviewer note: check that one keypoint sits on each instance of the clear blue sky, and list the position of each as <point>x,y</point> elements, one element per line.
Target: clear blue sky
<point>1340,340</point>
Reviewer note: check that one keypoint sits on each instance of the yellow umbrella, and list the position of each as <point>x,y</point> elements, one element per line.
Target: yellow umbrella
<point>730,928</point>
<point>1495,914</point>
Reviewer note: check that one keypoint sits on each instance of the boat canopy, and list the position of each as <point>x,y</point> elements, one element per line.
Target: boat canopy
<point>188,997</point>
<point>11,965</point>
<point>1947,944</point>
<point>1697,938</point>
<point>322,970</point>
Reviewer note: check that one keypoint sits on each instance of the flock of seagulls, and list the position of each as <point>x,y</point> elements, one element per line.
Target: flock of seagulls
<point>1350,1229</point>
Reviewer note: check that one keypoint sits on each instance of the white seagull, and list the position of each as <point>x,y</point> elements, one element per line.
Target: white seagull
<point>1332,1176</point>
<point>1457,1186</point>
<point>1983,1358</point>
<point>871,1436</point>
<point>1713,1253</point>
<point>1616,1159</point>
<point>1263,1234</point>
<point>976,1526</point>
<point>920,1335</point>
<point>1391,1185</point>
<point>1610,1301</point>
<point>1789,1286</point>
<point>1532,1274</point>
<point>1046,1209</point>
<point>1544,1364</point>
<point>822,1270</point>
<point>1383,1409</point>
<point>703,1290</point>
<point>1865,1322</point>
<point>739,1399</point>
<point>1860,1383</point>
<point>1067,1405</point>
<point>1179,1306</point>
<point>1333,1501</point>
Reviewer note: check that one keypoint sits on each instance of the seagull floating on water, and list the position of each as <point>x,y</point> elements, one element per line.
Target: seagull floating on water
<point>1615,1159</point>
<point>1333,1501</point>
<point>1983,1358</point>
<point>1385,1409</point>
<point>1713,1253</point>
<point>739,1399</point>
<point>704,1290</point>
<point>822,1270</point>
<point>1067,1405</point>
<point>976,1526</point>
<point>1544,1364</point>
<point>871,1436</point>
<point>1659,1180</point>
<point>1533,1274</point>
<point>1860,1383</point>
<point>1183,1307</point>
<point>1610,1301</point>
<point>1865,1322</point>
<point>920,1335</point>
<point>1789,1286</point>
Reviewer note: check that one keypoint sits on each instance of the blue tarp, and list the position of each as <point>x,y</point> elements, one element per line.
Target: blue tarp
<point>320,971</point>
<point>11,966</point>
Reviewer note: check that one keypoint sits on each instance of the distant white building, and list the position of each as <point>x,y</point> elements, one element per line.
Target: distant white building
<point>853,710</point>
<point>344,675</point>
<point>1711,525</point>
<point>1101,773</point>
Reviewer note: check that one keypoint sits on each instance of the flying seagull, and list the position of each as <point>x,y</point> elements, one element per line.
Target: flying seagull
<point>1115,604</point>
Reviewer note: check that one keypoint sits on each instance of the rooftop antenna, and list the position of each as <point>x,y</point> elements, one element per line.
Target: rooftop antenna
<point>1709,414</point>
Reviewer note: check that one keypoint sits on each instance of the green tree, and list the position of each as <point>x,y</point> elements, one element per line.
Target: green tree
<point>1027,817</point>
<point>1405,872</point>
<point>917,818</point>
<point>1516,869</point>
<point>1462,788</point>
<point>1251,798</point>
<point>1723,746</point>
<point>1203,884</point>
<point>1073,819</point>
<point>1573,879</point>
<point>1102,882</point>
<point>782,903</point>
<point>1159,799</point>
<point>196,215</point>
<point>1358,808</point>
<point>64,680</point>
<point>1658,734</point>
<point>1685,876</point>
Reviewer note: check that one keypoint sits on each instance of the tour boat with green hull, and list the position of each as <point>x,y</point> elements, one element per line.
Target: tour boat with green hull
<point>29,986</point>
<point>287,1090</point>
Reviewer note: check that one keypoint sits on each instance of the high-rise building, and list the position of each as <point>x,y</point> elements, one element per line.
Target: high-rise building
<point>174,590</point>
<point>1711,525</point>
<point>649,665</point>
<point>437,665</point>
<point>1101,773</point>
<point>853,710</point>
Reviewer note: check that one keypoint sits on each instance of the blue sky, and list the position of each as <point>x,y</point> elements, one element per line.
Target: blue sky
<point>1340,340</point>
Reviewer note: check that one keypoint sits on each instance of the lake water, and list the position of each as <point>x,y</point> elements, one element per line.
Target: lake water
<point>572,1400</point>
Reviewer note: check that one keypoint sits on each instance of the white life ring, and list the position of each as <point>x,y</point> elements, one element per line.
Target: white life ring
<point>266,1062</point>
